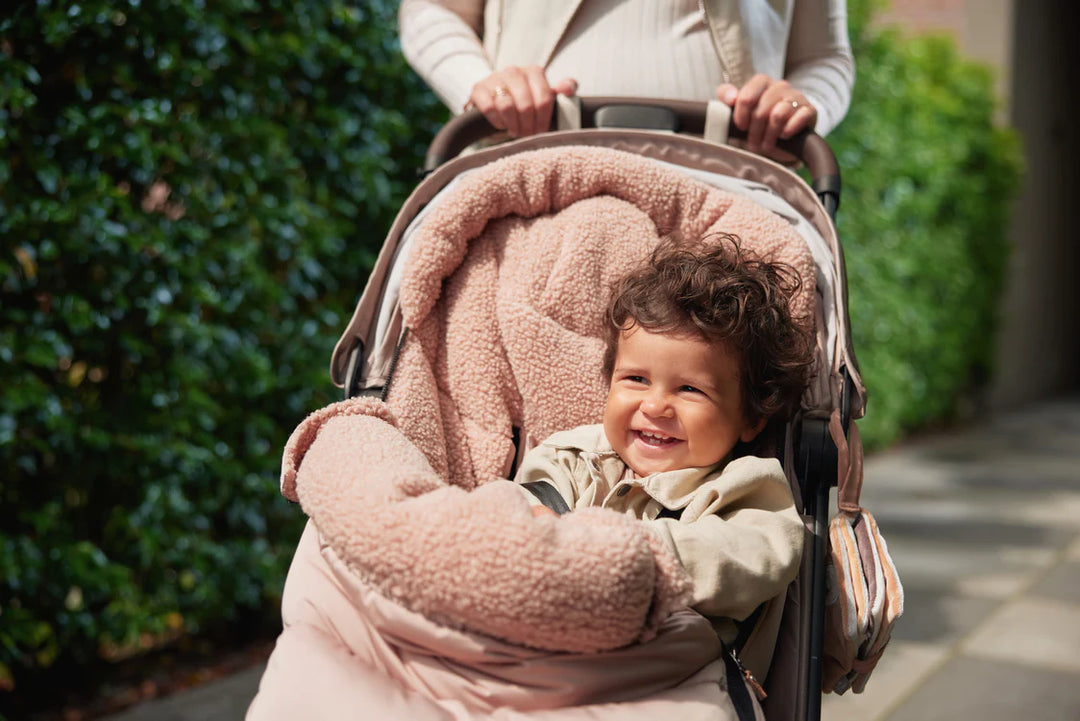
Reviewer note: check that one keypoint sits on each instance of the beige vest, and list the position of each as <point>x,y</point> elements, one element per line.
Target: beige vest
<point>530,33</point>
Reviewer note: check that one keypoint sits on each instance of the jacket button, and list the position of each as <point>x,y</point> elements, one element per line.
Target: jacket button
<point>622,491</point>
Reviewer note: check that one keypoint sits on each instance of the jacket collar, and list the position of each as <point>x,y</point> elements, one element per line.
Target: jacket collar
<point>673,489</point>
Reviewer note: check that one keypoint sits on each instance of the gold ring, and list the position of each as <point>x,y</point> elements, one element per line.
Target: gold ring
<point>499,91</point>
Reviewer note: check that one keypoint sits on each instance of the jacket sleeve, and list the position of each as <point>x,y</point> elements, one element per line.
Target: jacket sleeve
<point>556,466</point>
<point>441,41</point>
<point>740,539</point>
<point>819,61</point>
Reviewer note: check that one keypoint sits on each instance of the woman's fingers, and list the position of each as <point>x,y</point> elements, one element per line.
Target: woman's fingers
<point>781,107</point>
<point>775,122</point>
<point>566,86</point>
<point>789,115</point>
<point>517,100</point>
<point>769,116</point>
<point>493,97</point>
<point>506,101</point>
<point>727,93</point>
<point>746,102</point>
<point>483,99</point>
<point>542,101</point>
<point>768,110</point>
<point>519,108</point>
<point>805,117</point>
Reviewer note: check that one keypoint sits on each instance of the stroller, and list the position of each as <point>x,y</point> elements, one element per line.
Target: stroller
<point>415,591</point>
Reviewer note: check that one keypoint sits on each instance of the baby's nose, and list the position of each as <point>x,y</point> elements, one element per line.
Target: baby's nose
<point>656,404</point>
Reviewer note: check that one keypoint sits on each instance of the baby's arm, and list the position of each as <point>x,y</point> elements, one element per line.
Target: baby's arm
<point>740,539</point>
<point>554,466</point>
<point>544,464</point>
<point>538,507</point>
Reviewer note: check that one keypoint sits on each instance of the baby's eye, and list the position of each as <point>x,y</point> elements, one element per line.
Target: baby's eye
<point>690,389</point>
<point>634,379</point>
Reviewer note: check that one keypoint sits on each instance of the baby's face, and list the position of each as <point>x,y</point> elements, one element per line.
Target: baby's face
<point>675,402</point>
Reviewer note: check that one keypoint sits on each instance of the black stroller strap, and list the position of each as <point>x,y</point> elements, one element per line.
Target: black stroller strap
<point>746,627</point>
<point>737,675</point>
<point>740,696</point>
<point>548,496</point>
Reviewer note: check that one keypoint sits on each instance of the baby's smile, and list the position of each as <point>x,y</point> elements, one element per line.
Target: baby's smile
<point>654,439</point>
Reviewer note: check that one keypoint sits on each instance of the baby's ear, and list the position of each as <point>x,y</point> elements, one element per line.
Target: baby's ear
<point>751,430</point>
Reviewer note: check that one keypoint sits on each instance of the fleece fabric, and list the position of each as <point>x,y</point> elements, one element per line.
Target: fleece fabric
<point>503,298</point>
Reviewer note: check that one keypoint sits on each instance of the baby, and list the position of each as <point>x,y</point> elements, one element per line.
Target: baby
<point>702,353</point>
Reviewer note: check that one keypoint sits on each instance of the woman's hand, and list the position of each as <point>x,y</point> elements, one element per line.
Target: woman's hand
<point>767,110</point>
<point>519,100</point>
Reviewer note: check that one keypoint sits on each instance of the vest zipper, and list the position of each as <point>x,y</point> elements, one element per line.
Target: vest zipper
<point>725,76</point>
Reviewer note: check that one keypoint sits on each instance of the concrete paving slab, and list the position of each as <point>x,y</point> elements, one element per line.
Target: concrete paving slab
<point>939,618</point>
<point>1062,583</point>
<point>1035,632</point>
<point>990,690</point>
<point>982,571</point>
<point>889,476</point>
<point>1073,554</point>
<point>976,517</point>
<point>1060,509</point>
<point>902,668</point>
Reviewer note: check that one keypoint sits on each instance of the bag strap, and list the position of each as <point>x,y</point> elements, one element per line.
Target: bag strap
<point>548,495</point>
<point>849,466</point>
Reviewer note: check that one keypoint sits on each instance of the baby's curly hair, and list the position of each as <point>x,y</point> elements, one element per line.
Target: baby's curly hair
<point>715,292</point>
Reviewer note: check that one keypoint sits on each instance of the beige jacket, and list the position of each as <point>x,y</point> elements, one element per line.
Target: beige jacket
<point>738,536</point>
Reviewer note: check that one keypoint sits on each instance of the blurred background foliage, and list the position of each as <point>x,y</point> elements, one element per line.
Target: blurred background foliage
<point>929,183</point>
<point>191,195</point>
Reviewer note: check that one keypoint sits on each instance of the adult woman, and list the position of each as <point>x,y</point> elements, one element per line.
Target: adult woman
<point>782,65</point>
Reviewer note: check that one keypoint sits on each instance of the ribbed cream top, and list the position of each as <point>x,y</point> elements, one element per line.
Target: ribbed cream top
<point>652,48</point>
<point>658,48</point>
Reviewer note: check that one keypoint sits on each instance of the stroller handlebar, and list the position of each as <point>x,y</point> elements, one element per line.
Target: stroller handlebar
<point>682,116</point>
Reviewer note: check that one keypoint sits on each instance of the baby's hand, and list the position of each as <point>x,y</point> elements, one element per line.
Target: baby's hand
<point>541,511</point>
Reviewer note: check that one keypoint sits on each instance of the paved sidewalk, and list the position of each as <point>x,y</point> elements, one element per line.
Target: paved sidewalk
<point>984,525</point>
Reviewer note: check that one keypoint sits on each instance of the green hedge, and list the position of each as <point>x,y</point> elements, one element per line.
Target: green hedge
<point>929,181</point>
<point>156,351</point>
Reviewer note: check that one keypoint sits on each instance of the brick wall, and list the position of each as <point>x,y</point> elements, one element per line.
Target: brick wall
<point>983,29</point>
<point>923,15</point>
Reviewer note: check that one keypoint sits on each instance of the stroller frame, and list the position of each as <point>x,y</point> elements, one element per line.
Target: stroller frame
<point>610,121</point>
